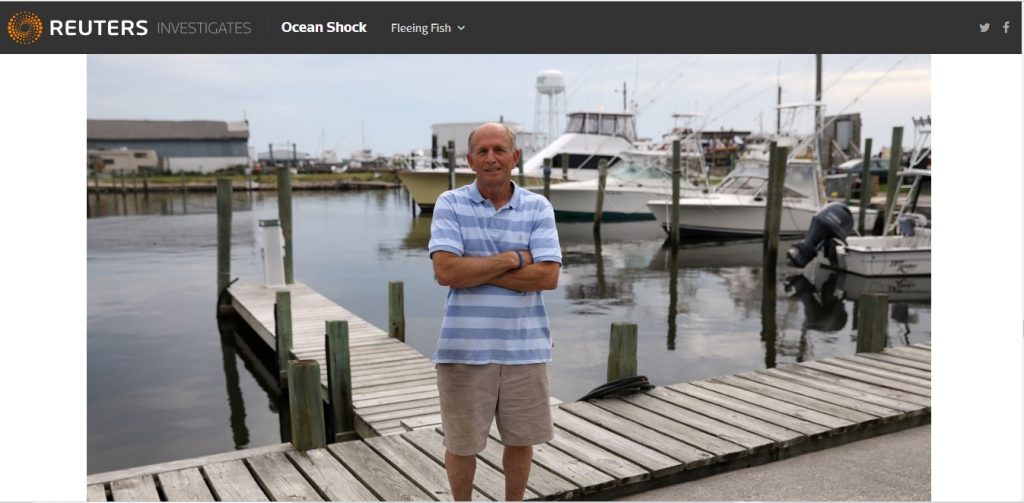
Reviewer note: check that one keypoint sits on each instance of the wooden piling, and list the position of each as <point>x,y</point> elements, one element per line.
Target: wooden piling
<point>124,189</point>
<point>773,207</point>
<point>284,214</point>
<point>283,330</point>
<point>522,174</point>
<point>145,183</point>
<point>224,193</point>
<point>873,314</point>
<point>451,164</point>
<point>895,157</point>
<point>547,178</point>
<point>865,187</point>
<point>306,405</point>
<point>674,215</point>
<point>339,381</point>
<point>565,167</point>
<point>396,310</point>
<point>622,351</point>
<point>602,177</point>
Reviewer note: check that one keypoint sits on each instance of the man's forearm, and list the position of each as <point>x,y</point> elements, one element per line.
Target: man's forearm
<point>467,272</point>
<point>532,278</point>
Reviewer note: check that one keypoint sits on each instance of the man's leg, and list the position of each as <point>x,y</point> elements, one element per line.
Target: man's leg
<point>461,470</point>
<point>516,462</point>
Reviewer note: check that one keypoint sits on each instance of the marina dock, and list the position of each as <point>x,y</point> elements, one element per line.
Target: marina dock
<point>602,448</point>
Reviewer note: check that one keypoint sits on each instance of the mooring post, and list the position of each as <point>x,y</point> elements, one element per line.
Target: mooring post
<point>895,158</point>
<point>339,381</point>
<point>224,193</point>
<point>145,183</point>
<point>135,182</point>
<point>602,177</point>
<point>622,351</point>
<point>283,330</point>
<point>773,207</point>
<point>396,310</point>
<point>865,187</point>
<point>522,174</point>
<point>306,405</point>
<point>284,213</point>
<point>451,164</point>
<point>547,178</point>
<point>673,231</point>
<point>565,167</point>
<point>873,314</point>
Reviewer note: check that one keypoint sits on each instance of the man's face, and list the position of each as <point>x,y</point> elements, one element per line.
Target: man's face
<point>491,155</point>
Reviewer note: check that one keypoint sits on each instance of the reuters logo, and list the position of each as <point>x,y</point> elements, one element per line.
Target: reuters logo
<point>25,28</point>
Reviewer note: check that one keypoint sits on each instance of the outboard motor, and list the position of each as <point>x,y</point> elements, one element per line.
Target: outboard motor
<point>833,223</point>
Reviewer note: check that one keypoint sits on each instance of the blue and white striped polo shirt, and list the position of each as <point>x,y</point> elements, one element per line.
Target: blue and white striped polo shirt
<point>488,323</point>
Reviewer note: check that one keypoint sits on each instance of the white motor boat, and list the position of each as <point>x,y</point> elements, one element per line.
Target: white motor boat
<point>904,249</point>
<point>589,138</point>
<point>639,176</point>
<point>736,207</point>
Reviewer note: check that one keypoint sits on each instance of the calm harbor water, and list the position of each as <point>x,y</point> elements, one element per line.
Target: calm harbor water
<point>162,386</point>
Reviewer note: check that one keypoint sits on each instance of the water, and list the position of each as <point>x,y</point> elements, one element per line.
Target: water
<point>162,386</point>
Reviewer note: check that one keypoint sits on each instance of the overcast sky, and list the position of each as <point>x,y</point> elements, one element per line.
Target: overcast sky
<point>395,98</point>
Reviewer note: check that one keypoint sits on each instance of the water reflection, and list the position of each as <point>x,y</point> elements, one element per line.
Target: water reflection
<point>239,432</point>
<point>164,203</point>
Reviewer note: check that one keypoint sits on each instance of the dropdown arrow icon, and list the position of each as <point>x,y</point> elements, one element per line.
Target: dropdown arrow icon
<point>462,27</point>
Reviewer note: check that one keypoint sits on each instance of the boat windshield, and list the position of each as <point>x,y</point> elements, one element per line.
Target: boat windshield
<point>640,167</point>
<point>623,125</point>
<point>751,176</point>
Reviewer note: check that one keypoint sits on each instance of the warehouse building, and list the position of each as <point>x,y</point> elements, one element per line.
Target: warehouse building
<point>194,146</point>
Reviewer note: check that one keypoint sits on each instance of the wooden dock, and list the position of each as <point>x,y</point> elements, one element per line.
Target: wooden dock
<point>391,381</point>
<point>602,448</point>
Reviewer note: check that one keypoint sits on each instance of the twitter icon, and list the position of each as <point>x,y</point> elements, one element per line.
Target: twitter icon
<point>983,27</point>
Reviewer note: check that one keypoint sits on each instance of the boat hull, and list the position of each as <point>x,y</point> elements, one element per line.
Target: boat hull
<point>885,256</point>
<point>717,215</point>
<point>578,204</point>
<point>426,186</point>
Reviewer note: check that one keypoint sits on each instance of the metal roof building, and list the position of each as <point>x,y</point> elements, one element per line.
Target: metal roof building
<point>181,145</point>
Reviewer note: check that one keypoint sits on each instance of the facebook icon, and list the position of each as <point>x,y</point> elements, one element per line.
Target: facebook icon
<point>1006,27</point>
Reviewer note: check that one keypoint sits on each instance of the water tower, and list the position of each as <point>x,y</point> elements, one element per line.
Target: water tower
<point>550,83</point>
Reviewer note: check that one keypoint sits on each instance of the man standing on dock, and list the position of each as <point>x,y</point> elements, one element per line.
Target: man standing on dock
<point>495,246</point>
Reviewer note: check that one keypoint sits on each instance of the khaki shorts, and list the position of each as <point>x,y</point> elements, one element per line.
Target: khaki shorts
<point>474,395</point>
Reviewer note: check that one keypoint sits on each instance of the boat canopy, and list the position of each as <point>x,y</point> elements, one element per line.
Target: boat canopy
<point>621,124</point>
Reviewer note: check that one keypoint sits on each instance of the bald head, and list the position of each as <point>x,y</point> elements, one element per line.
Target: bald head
<point>498,126</point>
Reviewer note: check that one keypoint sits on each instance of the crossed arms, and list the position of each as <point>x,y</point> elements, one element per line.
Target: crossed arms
<point>502,270</point>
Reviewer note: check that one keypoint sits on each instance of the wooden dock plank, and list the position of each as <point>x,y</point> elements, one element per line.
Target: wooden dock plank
<point>847,383</point>
<point>801,412</point>
<point>280,479</point>
<point>891,367</point>
<point>408,397</point>
<point>488,480</point>
<point>909,354</point>
<point>135,489</point>
<point>883,413</point>
<point>867,395</point>
<point>580,473</point>
<point>394,386</point>
<point>185,485</point>
<point>396,406</point>
<point>330,476</point>
<point>542,481</point>
<point>732,434</point>
<point>783,436</point>
<point>96,492</point>
<point>868,378</point>
<point>689,455</point>
<point>606,461</point>
<point>875,371</point>
<point>415,423</point>
<point>671,428</point>
<point>797,399</point>
<point>231,481</point>
<point>924,346</point>
<point>356,397</point>
<point>902,362</point>
<point>382,478</point>
<point>789,422</point>
<point>416,466</point>
<point>98,478</point>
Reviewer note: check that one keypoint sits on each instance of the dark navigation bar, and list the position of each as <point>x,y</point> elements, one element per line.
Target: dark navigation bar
<point>511,27</point>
